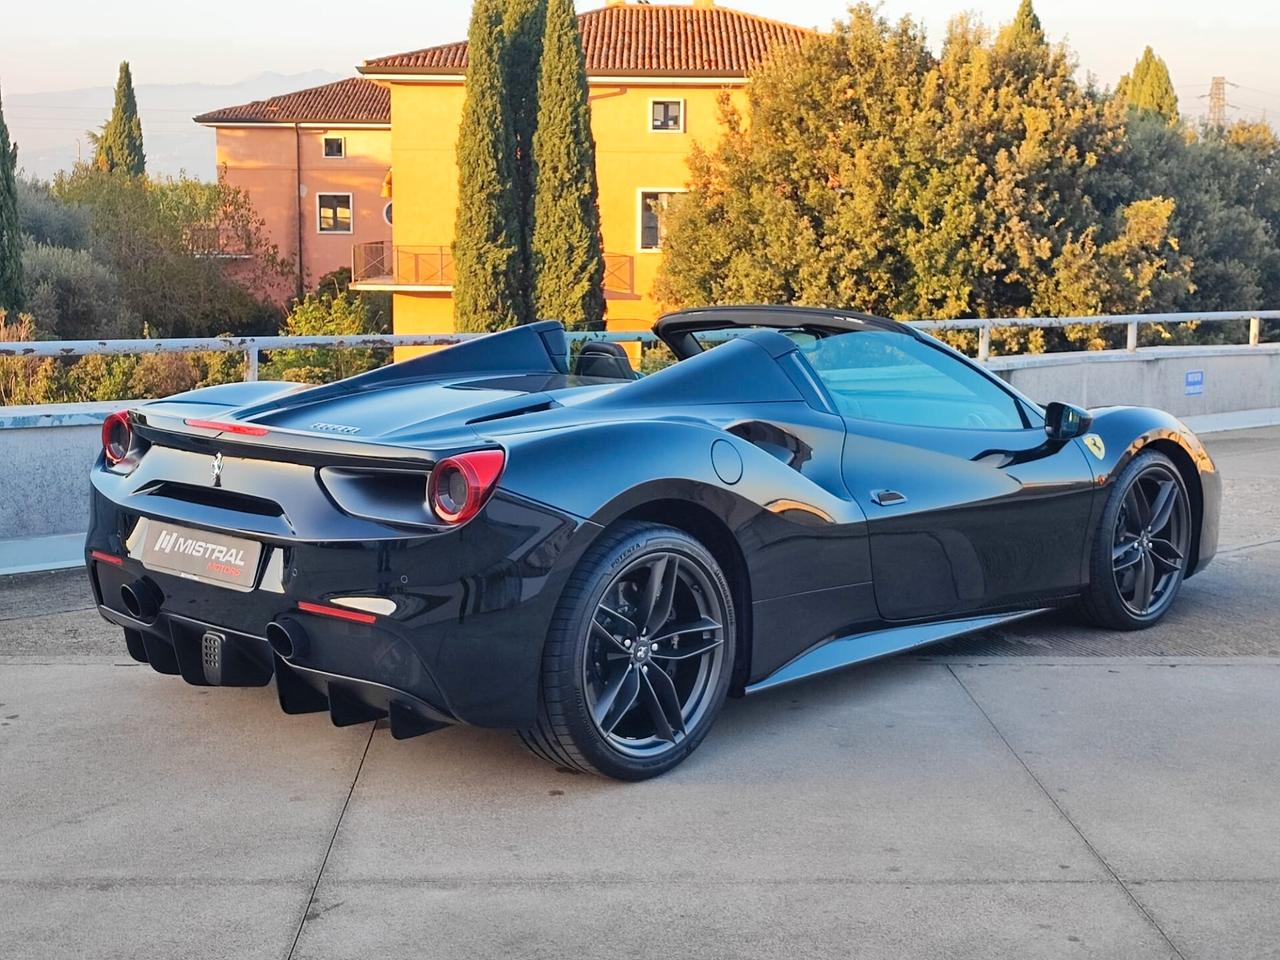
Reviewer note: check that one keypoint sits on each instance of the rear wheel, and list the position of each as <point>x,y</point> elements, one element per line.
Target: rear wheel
<point>1141,552</point>
<point>639,655</point>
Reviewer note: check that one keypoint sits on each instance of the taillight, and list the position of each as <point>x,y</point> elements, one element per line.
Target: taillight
<point>459,486</point>
<point>117,437</point>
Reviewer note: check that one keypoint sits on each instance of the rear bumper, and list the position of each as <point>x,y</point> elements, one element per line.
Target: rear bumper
<point>463,644</point>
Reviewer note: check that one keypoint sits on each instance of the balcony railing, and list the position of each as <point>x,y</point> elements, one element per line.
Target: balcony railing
<point>381,262</point>
<point>216,241</point>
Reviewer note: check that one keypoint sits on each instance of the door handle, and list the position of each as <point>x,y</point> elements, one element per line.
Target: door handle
<point>888,498</point>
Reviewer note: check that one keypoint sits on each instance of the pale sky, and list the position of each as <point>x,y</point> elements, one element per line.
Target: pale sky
<point>78,43</point>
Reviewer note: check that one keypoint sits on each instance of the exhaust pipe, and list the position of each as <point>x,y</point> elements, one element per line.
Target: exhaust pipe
<point>287,638</point>
<point>142,600</point>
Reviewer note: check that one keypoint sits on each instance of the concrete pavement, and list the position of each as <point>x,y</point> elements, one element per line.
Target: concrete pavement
<point>1042,791</point>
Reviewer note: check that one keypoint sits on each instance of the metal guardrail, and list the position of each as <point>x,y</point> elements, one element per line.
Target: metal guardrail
<point>253,346</point>
<point>1132,321</point>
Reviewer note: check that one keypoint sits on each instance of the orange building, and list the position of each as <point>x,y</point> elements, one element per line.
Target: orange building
<point>314,163</point>
<point>655,74</point>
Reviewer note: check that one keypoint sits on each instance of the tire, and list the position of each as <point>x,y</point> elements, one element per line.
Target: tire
<point>629,686</point>
<point>1139,556</point>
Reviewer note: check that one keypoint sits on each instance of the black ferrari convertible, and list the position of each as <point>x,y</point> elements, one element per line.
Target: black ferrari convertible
<point>510,534</point>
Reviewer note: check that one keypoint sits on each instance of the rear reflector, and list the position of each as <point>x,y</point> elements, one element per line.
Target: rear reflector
<point>337,613</point>
<point>107,558</point>
<point>240,428</point>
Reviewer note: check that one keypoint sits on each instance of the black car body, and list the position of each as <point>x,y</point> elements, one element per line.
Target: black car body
<point>856,505</point>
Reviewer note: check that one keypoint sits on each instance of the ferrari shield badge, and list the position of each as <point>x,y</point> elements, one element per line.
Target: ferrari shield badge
<point>1095,445</point>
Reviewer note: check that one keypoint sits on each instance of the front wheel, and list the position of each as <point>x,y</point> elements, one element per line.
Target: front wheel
<point>1142,548</point>
<point>639,655</point>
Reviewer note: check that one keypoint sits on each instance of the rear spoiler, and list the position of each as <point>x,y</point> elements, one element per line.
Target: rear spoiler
<point>218,433</point>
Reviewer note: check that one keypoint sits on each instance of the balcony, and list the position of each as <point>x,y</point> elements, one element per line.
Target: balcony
<point>380,264</point>
<point>216,241</point>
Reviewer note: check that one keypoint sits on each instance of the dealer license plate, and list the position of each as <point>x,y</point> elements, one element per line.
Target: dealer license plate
<point>200,555</point>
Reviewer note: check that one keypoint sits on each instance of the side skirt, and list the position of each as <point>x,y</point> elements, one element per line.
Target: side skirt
<point>846,651</point>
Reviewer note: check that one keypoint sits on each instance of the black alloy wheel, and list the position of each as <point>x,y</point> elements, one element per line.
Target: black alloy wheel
<point>639,657</point>
<point>655,654</point>
<point>1144,546</point>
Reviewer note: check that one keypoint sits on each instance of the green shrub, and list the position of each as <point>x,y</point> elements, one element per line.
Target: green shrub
<point>74,297</point>
<point>46,219</point>
<point>325,316</point>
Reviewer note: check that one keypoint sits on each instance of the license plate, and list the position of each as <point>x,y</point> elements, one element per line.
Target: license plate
<point>200,555</point>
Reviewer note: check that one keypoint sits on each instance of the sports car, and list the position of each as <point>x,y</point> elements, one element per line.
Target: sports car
<point>512,533</point>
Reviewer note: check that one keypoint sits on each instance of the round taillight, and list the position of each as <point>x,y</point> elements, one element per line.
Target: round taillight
<point>117,437</point>
<point>459,486</point>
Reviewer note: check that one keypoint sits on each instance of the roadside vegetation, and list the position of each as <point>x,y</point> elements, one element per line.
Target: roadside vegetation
<point>984,181</point>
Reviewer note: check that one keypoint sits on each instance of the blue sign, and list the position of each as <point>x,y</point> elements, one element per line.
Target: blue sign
<point>1195,383</point>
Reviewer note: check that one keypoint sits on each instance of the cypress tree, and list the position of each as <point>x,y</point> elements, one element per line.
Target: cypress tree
<point>489,289</point>
<point>11,293</point>
<point>119,146</point>
<point>1149,89</point>
<point>523,24</point>
<point>1026,24</point>
<point>568,258</point>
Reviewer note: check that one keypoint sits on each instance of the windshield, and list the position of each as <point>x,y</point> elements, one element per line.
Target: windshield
<point>706,339</point>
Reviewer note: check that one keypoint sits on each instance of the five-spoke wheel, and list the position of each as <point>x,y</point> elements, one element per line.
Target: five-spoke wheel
<point>1141,553</point>
<point>639,657</point>
<point>656,650</point>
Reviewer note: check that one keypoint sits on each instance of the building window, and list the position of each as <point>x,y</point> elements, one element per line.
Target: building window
<point>386,214</point>
<point>335,148</point>
<point>653,203</point>
<point>334,212</point>
<point>666,116</point>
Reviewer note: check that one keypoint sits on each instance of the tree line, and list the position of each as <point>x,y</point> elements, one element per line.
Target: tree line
<point>981,181</point>
<point>528,242</point>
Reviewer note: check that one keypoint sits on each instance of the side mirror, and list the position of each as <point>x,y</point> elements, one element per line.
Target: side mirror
<point>1062,421</point>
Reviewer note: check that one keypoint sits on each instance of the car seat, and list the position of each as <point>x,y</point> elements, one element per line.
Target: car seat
<point>603,359</point>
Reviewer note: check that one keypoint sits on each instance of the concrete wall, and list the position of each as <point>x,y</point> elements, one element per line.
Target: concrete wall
<point>45,456</point>
<point>45,452</point>
<point>1229,378</point>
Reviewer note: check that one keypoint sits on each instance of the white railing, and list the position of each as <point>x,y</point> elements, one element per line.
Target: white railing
<point>1131,321</point>
<point>252,347</point>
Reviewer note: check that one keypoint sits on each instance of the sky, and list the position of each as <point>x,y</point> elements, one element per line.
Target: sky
<point>170,43</point>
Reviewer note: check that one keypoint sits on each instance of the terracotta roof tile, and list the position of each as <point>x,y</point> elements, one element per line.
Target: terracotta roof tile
<point>354,100</point>
<point>641,39</point>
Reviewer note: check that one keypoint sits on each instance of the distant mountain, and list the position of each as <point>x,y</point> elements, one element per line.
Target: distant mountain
<point>47,126</point>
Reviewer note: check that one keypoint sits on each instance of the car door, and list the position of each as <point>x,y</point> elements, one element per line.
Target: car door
<point>970,506</point>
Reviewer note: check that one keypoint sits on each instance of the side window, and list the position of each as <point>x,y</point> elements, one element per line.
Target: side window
<point>335,148</point>
<point>894,378</point>
<point>666,116</point>
<point>334,212</point>
<point>652,205</point>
